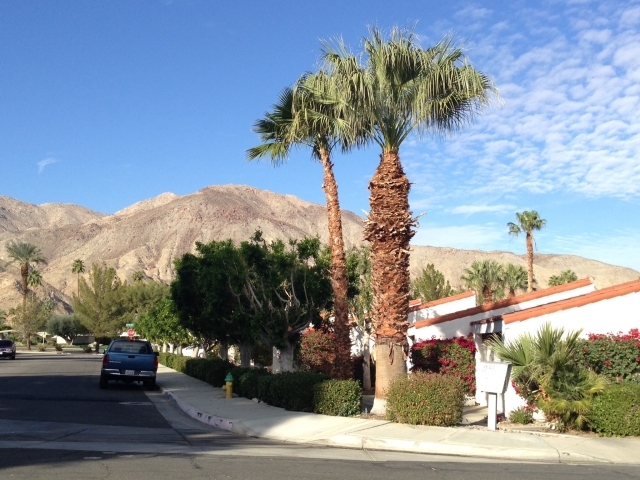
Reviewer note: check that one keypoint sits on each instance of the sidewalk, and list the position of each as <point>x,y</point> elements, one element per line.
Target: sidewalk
<point>246,417</point>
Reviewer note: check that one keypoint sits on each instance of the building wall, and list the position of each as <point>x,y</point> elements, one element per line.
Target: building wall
<point>442,309</point>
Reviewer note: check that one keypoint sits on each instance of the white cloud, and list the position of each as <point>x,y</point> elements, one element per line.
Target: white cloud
<point>471,209</point>
<point>43,163</point>
<point>467,237</point>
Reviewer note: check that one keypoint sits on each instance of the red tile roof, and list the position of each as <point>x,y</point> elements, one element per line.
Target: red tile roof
<point>507,302</point>
<point>580,301</point>
<point>420,306</point>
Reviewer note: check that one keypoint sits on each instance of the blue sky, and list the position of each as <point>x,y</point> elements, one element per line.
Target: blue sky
<point>106,103</point>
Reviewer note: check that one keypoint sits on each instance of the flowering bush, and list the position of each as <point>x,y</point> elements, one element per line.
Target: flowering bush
<point>452,356</point>
<point>615,356</point>
<point>317,352</point>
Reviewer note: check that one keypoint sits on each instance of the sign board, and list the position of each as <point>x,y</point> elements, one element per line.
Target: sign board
<point>130,325</point>
<point>492,377</point>
<point>131,333</point>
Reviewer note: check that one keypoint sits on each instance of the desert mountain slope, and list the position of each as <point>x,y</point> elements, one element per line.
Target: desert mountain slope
<point>148,235</point>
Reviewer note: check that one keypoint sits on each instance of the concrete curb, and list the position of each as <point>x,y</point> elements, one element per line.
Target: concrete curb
<point>377,443</point>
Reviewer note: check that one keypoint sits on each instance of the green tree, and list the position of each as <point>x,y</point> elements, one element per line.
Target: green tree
<point>35,278</point>
<point>515,278</point>
<point>25,254</point>
<point>361,302</point>
<point>486,278</point>
<point>138,297</point>
<point>98,306</point>
<point>302,118</point>
<point>402,90</point>
<point>78,267</point>
<point>431,285</point>
<point>527,222</point>
<point>567,276</point>
<point>161,324</point>
<point>65,326</point>
<point>31,317</point>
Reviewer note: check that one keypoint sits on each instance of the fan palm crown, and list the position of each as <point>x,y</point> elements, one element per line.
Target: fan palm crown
<point>24,254</point>
<point>78,267</point>
<point>486,277</point>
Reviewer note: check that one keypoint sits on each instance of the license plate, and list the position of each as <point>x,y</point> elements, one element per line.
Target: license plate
<point>129,372</point>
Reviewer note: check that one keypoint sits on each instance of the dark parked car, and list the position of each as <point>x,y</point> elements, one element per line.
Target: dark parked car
<point>7,349</point>
<point>129,361</point>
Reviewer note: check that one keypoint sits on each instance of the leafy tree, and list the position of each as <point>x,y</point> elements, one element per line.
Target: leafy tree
<point>25,254</point>
<point>360,303</point>
<point>431,285</point>
<point>31,317</point>
<point>515,278</point>
<point>285,290</point>
<point>161,324</point>
<point>302,118</point>
<point>486,278</point>
<point>98,305</point>
<point>206,294</point>
<point>567,276</point>
<point>138,297</point>
<point>65,326</point>
<point>527,222</point>
<point>402,89</point>
<point>78,267</point>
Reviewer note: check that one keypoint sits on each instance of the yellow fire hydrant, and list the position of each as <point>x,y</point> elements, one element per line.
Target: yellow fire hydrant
<point>228,388</point>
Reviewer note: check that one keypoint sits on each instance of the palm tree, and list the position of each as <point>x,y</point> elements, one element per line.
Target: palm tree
<point>300,119</point>
<point>35,278</point>
<point>486,277</point>
<point>567,276</point>
<point>515,278</point>
<point>78,268</point>
<point>528,222</point>
<point>402,89</point>
<point>24,253</point>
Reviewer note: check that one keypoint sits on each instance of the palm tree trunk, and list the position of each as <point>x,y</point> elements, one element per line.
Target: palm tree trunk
<point>487,295</point>
<point>366,362</point>
<point>529,242</point>
<point>388,230</point>
<point>343,367</point>
<point>24,272</point>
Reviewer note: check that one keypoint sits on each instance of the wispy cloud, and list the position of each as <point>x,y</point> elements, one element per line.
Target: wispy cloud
<point>43,163</point>
<point>471,209</point>
<point>467,237</point>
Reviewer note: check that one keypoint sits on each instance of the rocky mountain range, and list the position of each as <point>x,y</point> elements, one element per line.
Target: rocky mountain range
<point>148,235</point>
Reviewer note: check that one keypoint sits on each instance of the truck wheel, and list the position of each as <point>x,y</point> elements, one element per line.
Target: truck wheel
<point>150,384</point>
<point>103,382</point>
<point>13,357</point>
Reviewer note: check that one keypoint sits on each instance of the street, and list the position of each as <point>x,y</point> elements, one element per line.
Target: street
<point>56,423</point>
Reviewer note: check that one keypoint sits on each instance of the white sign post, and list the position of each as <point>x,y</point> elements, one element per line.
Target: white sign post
<point>493,378</point>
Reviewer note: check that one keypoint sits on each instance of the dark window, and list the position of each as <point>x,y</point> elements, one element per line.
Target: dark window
<point>6,343</point>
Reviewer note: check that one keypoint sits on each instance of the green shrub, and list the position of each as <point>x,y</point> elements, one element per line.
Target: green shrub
<point>337,397</point>
<point>294,390</point>
<point>247,385</point>
<point>42,347</point>
<point>426,399</point>
<point>58,347</point>
<point>317,352</point>
<point>263,389</point>
<point>523,415</point>
<point>617,411</point>
<point>87,348</point>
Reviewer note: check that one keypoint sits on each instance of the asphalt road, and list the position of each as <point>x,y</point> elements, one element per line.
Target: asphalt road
<point>56,423</point>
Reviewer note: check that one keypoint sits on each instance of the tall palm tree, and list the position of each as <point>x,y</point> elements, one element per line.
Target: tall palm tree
<point>515,278</point>
<point>34,278</point>
<point>528,222</point>
<point>486,277</point>
<point>78,267</point>
<point>300,119</point>
<point>24,253</point>
<point>402,89</point>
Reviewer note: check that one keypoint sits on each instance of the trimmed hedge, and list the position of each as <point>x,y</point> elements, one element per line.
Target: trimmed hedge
<point>426,399</point>
<point>210,370</point>
<point>617,411</point>
<point>616,356</point>
<point>337,397</point>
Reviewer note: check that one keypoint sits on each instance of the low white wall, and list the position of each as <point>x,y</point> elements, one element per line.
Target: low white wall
<point>442,309</point>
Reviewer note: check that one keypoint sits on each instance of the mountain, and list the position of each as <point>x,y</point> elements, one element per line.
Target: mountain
<point>148,235</point>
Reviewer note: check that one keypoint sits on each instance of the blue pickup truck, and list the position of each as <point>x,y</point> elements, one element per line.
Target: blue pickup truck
<point>129,361</point>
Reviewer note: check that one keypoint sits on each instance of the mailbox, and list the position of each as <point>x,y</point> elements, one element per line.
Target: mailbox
<point>493,377</point>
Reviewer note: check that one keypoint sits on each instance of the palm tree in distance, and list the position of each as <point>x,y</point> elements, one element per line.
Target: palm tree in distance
<point>78,268</point>
<point>528,222</point>
<point>567,276</point>
<point>515,278</point>
<point>34,278</point>
<point>486,277</point>
<point>300,119</point>
<point>24,253</point>
<point>402,89</point>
